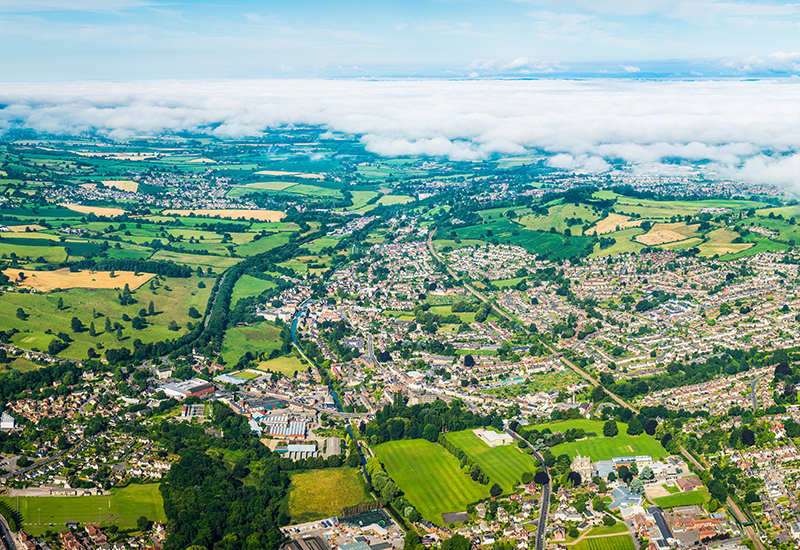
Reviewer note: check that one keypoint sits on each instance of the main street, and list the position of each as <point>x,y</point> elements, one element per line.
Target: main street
<point>544,508</point>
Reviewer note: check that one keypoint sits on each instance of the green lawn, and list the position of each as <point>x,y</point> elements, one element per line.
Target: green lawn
<point>504,465</point>
<point>318,494</point>
<point>604,448</point>
<point>430,477</point>
<point>618,527</point>
<point>622,542</point>
<point>698,496</point>
<point>122,508</point>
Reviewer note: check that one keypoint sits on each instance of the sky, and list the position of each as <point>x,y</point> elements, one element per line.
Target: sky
<point>57,40</point>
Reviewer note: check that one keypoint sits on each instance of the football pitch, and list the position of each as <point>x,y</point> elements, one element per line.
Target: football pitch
<point>504,464</point>
<point>430,477</point>
<point>122,509</point>
<point>601,447</point>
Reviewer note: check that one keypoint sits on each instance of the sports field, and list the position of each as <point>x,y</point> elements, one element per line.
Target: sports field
<point>504,465</point>
<point>258,338</point>
<point>621,542</point>
<point>318,494</point>
<point>604,448</point>
<point>122,508</point>
<point>284,365</point>
<point>430,477</point>
<point>699,496</point>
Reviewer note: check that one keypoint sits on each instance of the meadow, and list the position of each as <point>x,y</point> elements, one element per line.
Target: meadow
<point>284,365</point>
<point>259,338</point>
<point>319,494</point>
<point>430,477</point>
<point>122,509</point>
<point>248,286</point>
<point>504,465</point>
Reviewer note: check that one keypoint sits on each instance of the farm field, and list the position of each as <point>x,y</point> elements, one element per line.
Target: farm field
<point>259,338</point>
<point>96,210</point>
<point>233,213</point>
<point>318,494</point>
<point>219,263</point>
<point>621,542</point>
<point>601,447</point>
<point>624,244</point>
<point>504,464</point>
<point>64,278</point>
<point>557,217</point>
<point>122,508</point>
<point>43,315</point>
<point>698,496</point>
<point>720,241</point>
<point>248,286</point>
<point>430,477</point>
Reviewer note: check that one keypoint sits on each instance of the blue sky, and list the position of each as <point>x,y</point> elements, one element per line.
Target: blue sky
<point>43,40</point>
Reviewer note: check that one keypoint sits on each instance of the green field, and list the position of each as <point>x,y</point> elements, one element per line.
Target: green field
<point>122,508</point>
<point>261,337</point>
<point>430,477</point>
<point>551,245</point>
<point>284,365</point>
<point>248,286</point>
<point>504,465</point>
<point>618,527</point>
<point>604,448</point>
<point>622,542</point>
<point>43,314</point>
<point>318,494</point>
<point>698,496</point>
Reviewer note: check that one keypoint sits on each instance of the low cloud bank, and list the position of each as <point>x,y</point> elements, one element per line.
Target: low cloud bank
<point>743,129</point>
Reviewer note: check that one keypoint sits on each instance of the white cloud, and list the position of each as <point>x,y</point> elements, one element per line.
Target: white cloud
<point>630,68</point>
<point>746,129</point>
<point>778,62</point>
<point>520,65</point>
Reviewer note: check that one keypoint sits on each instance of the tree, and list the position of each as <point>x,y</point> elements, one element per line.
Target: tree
<point>608,521</point>
<point>612,476</point>
<point>108,328</point>
<point>751,497</point>
<point>76,325</point>
<point>541,478</point>
<point>574,478</point>
<point>92,330</point>
<point>748,437</point>
<point>193,313</point>
<point>573,532</point>
<point>598,394</point>
<point>526,478</point>
<point>634,427</point>
<point>456,542</point>
<point>353,460</point>
<point>21,314</point>
<point>411,541</point>
<point>610,428</point>
<point>144,524</point>
<point>60,305</point>
<point>495,491</point>
<point>650,426</point>
<point>151,309</point>
<point>637,486</point>
<point>173,325</point>
<point>139,323</point>
<point>469,361</point>
<point>647,473</point>
<point>23,462</point>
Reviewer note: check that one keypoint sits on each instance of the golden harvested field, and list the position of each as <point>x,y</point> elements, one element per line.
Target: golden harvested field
<point>293,174</point>
<point>122,185</point>
<point>659,237</point>
<point>204,160</point>
<point>96,210</point>
<point>21,228</point>
<point>236,214</point>
<point>611,223</point>
<point>63,278</point>
<point>685,244</point>
<point>720,241</point>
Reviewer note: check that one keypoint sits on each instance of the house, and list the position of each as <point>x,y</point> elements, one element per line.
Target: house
<point>6,422</point>
<point>686,484</point>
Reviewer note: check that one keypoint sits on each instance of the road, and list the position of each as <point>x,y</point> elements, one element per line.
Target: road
<point>753,396</point>
<point>48,460</point>
<point>545,506</point>
<point>214,302</point>
<point>6,538</point>
<point>371,351</point>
